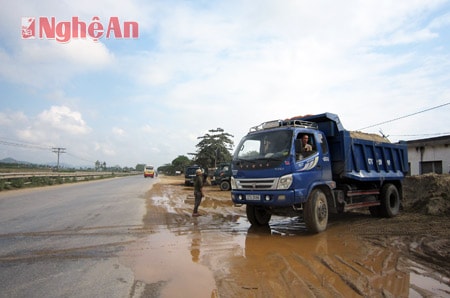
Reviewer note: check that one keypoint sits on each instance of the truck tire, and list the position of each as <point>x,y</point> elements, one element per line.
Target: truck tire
<point>225,185</point>
<point>315,212</point>
<point>390,201</point>
<point>257,215</point>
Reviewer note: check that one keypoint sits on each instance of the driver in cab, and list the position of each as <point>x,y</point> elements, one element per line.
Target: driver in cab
<point>305,148</point>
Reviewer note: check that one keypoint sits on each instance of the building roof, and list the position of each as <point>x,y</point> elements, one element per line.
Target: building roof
<point>442,140</point>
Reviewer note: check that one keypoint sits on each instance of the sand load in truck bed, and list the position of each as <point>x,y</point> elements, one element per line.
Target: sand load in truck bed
<point>368,137</point>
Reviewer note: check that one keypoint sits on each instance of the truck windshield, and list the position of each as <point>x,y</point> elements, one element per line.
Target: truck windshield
<point>191,171</point>
<point>265,145</point>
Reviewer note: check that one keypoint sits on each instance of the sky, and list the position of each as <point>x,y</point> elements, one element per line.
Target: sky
<point>201,65</point>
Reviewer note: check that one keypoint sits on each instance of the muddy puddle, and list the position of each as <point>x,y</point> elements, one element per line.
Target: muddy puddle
<point>220,255</point>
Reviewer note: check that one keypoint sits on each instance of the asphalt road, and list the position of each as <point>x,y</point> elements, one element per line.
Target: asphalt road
<point>63,241</point>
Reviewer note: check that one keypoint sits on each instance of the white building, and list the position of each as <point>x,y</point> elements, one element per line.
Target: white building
<point>429,155</point>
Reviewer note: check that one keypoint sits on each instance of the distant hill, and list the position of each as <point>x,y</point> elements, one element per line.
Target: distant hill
<point>10,160</point>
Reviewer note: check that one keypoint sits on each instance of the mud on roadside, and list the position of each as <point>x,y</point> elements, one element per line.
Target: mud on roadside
<point>358,255</point>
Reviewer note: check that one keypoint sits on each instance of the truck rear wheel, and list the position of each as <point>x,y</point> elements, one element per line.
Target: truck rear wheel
<point>315,212</point>
<point>257,215</point>
<point>225,185</point>
<point>390,200</point>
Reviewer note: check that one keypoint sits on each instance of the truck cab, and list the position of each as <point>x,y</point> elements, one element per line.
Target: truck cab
<point>272,159</point>
<point>222,176</point>
<point>189,174</point>
<point>271,169</point>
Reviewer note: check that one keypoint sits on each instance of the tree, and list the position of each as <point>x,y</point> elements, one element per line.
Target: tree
<point>140,167</point>
<point>180,163</point>
<point>214,147</point>
<point>166,169</point>
<point>99,166</point>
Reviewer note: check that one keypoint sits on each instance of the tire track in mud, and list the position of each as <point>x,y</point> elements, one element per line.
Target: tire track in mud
<point>425,239</point>
<point>67,240</point>
<point>301,274</point>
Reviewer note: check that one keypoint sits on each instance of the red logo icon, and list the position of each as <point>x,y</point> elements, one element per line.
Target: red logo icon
<point>28,27</point>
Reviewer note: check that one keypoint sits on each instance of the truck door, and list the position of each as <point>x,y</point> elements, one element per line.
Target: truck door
<point>312,155</point>
<point>325,162</point>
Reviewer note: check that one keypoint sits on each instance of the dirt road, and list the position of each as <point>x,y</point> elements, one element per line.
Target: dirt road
<point>220,255</point>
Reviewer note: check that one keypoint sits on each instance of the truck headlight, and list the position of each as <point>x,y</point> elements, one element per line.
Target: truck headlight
<point>233,183</point>
<point>285,182</point>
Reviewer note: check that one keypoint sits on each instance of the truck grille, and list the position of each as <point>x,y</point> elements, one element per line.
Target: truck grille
<point>256,184</point>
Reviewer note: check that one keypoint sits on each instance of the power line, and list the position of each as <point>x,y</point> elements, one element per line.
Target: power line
<point>23,145</point>
<point>27,145</point>
<point>402,117</point>
<point>80,158</point>
<point>423,134</point>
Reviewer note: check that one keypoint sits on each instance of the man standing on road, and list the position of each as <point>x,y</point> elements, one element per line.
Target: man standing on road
<point>198,191</point>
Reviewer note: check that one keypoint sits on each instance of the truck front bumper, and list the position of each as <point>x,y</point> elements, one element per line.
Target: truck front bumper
<point>279,198</point>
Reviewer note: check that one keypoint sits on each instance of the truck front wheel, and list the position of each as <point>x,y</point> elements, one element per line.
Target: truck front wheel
<point>315,212</point>
<point>225,185</point>
<point>390,201</point>
<point>258,215</point>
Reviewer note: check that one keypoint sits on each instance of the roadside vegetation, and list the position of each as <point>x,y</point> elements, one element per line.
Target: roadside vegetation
<point>18,176</point>
<point>214,147</point>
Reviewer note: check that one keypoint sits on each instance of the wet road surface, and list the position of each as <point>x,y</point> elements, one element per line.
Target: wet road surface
<point>63,241</point>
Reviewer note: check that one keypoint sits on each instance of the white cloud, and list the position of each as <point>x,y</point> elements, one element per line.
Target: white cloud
<point>441,21</point>
<point>10,118</point>
<point>147,128</point>
<point>85,53</point>
<point>118,131</point>
<point>40,63</point>
<point>64,119</point>
<point>104,149</point>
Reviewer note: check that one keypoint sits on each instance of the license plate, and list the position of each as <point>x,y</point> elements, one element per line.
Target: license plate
<point>252,197</point>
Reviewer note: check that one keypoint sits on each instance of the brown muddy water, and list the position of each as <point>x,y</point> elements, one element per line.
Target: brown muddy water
<point>220,255</point>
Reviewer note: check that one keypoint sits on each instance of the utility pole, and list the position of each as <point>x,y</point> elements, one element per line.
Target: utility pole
<point>58,151</point>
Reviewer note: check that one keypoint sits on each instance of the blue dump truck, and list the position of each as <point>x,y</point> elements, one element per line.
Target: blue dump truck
<point>311,166</point>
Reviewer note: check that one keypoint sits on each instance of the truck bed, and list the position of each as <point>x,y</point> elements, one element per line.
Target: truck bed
<point>367,160</point>
<point>361,156</point>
